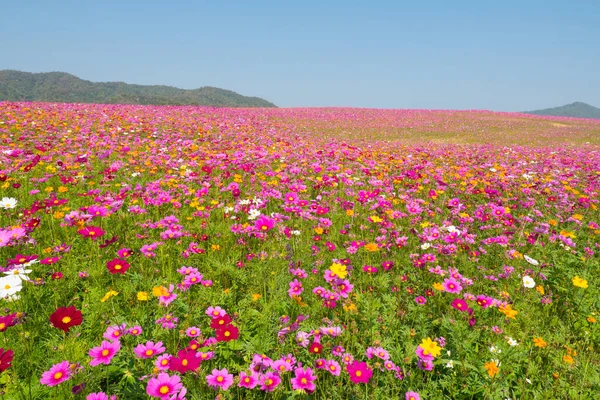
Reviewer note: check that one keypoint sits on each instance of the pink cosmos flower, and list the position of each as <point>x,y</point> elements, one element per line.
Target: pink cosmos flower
<point>269,381</point>
<point>164,386</point>
<point>333,367</point>
<point>451,285</point>
<point>162,362</point>
<point>264,223</point>
<point>412,396</point>
<point>135,331</point>
<point>248,381</point>
<point>192,331</point>
<point>215,312</point>
<point>100,396</point>
<point>148,350</point>
<point>57,374</point>
<point>114,332</point>
<point>104,353</point>
<point>304,379</point>
<point>460,305</point>
<point>359,372</point>
<point>220,379</point>
<point>296,288</point>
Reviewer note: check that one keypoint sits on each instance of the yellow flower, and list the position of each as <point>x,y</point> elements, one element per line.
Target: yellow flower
<point>339,270</point>
<point>108,295</point>
<point>438,286</point>
<point>508,311</point>
<point>63,189</point>
<point>349,213</point>
<point>351,308</point>
<point>540,289</point>
<point>142,296</point>
<point>539,342</point>
<point>591,320</point>
<point>215,247</point>
<point>492,368</point>
<point>375,219</point>
<point>430,347</point>
<point>371,247</point>
<point>159,291</point>
<point>319,230</point>
<point>580,282</point>
<point>568,359</point>
<point>553,222</point>
<point>256,296</point>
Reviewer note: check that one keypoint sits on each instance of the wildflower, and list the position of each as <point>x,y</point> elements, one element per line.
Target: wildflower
<point>92,232</point>
<point>10,285</point>
<point>460,304</point>
<point>508,311</point>
<point>220,379</point>
<point>185,361</point>
<point>528,282</point>
<point>134,331</point>
<point>66,317</point>
<point>8,203</point>
<point>428,350</point>
<point>316,348</point>
<point>530,260</point>
<point>359,372</point>
<point>539,342</point>
<point>108,295</point>
<point>114,333</point>
<point>492,368</point>
<point>371,247</point>
<point>193,331</point>
<point>451,285</point>
<point>142,296</point>
<point>412,396</point>
<point>339,270</point>
<point>269,381</point>
<point>580,282</point>
<point>248,381</point>
<point>117,266</point>
<point>150,349</point>
<point>104,353</point>
<point>227,333</point>
<point>6,357</point>
<point>304,379</point>
<point>99,396</point>
<point>164,386</point>
<point>256,296</point>
<point>333,367</point>
<point>57,374</point>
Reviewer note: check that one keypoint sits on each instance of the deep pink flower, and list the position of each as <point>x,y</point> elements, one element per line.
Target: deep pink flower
<point>57,374</point>
<point>304,380</point>
<point>460,305</point>
<point>269,381</point>
<point>248,381</point>
<point>359,372</point>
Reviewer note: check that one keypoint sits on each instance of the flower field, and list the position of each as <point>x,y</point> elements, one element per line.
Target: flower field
<point>194,253</point>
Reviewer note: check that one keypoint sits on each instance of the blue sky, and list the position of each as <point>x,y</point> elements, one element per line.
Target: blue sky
<point>505,55</point>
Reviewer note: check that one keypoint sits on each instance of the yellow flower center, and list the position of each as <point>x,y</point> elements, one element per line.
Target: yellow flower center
<point>227,333</point>
<point>164,389</point>
<point>105,352</point>
<point>7,286</point>
<point>358,373</point>
<point>303,380</point>
<point>66,320</point>
<point>118,267</point>
<point>149,352</point>
<point>219,379</point>
<point>184,362</point>
<point>58,375</point>
<point>2,325</point>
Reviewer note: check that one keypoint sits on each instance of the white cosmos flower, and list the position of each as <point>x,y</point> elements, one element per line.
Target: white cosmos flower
<point>528,282</point>
<point>425,246</point>
<point>19,272</point>
<point>9,285</point>
<point>8,203</point>
<point>253,214</point>
<point>450,364</point>
<point>512,341</point>
<point>295,233</point>
<point>530,260</point>
<point>495,350</point>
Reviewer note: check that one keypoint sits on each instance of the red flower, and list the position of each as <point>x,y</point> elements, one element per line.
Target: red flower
<point>359,372</point>
<point>186,360</point>
<point>220,321</point>
<point>6,357</point>
<point>7,321</point>
<point>316,348</point>
<point>66,317</point>
<point>117,266</point>
<point>227,333</point>
<point>92,232</point>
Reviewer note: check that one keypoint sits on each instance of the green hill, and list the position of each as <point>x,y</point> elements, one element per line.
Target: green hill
<point>67,88</point>
<point>577,110</point>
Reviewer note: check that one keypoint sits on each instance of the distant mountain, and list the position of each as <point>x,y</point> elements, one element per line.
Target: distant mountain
<point>67,88</point>
<point>577,110</point>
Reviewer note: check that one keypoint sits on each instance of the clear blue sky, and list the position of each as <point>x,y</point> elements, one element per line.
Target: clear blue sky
<point>499,55</point>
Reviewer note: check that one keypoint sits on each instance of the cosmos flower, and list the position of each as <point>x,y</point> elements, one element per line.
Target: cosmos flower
<point>220,379</point>
<point>359,372</point>
<point>57,374</point>
<point>164,386</point>
<point>104,353</point>
<point>66,317</point>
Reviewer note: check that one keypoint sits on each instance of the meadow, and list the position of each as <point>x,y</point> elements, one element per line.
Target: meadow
<point>189,252</point>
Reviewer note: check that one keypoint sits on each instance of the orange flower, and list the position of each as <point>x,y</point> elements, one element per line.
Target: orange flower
<point>492,368</point>
<point>568,359</point>
<point>508,311</point>
<point>539,342</point>
<point>371,247</point>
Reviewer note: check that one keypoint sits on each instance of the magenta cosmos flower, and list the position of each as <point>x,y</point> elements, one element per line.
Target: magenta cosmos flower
<point>57,374</point>
<point>100,396</point>
<point>248,381</point>
<point>150,349</point>
<point>412,396</point>
<point>269,381</point>
<point>220,379</point>
<point>104,353</point>
<point>451,285</point>
<point>460,304</point>
<point>164,386</point>
<point>359,372</point>
<point>304,380</point>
